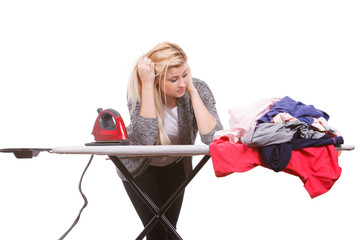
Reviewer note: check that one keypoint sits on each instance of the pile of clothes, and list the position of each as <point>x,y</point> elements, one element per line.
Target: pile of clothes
<point>283,135</point>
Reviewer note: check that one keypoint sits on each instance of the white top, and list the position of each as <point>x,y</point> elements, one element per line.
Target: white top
<point>171,125</point>
<point>172,129</point>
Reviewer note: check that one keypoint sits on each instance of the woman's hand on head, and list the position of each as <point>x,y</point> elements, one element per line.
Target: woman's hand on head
<point>146,70</point>
<point>190,86</point>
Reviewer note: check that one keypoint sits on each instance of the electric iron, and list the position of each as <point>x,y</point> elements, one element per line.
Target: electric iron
<point>109,129</point>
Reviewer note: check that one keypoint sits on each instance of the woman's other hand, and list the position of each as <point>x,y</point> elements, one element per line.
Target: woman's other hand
<point>190,88</point>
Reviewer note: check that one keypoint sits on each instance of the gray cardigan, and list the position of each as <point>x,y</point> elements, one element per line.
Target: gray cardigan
<point>144,131</point>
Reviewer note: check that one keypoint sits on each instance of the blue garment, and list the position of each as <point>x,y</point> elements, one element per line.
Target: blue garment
<point>305,113</point>
<point>277,156</point>
<point>298,143</point>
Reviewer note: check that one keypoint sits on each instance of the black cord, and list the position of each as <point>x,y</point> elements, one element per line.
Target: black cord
<point>83,196</point>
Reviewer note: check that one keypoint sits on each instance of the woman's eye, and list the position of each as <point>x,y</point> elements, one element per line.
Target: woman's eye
<point>185,75</point>
<point>173,80</point>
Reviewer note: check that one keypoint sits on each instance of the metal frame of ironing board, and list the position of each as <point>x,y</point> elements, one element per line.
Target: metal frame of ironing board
<point>116,153</point>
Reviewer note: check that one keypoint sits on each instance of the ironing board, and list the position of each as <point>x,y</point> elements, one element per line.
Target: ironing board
<point>116,153</point>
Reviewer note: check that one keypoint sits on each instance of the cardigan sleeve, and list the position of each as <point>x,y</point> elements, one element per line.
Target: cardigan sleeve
<point>142,130</point>
<point>209,101</point>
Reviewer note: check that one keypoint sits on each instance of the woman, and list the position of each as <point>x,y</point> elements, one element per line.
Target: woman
<point>167,106</point>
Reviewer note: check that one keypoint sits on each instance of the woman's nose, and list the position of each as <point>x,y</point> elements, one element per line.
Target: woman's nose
<point>182,83</point>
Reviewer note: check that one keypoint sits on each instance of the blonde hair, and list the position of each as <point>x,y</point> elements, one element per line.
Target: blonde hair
<point>165,55</point>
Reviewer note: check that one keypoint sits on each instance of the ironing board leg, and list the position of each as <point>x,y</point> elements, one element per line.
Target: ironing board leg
<point>142,194</point>
<point>158,213</point>
<point>166,223</point>
<point>175,196</point>
<point>182,187</point>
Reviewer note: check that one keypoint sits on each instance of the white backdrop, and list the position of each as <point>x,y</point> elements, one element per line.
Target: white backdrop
<point>61,60</point>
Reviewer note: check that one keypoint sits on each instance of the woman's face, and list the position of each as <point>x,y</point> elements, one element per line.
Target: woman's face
<point>176,81</point>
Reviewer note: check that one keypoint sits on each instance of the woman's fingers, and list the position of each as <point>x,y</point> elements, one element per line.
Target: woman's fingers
<point>143,60</point>
<point>146,70</point>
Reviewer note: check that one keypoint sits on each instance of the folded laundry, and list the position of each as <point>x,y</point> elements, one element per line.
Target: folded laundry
<point>317,167</point>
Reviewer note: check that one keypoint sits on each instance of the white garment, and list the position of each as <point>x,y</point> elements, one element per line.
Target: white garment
<point>171,125</point>
<point>172,129</point>
<point>243,119</point>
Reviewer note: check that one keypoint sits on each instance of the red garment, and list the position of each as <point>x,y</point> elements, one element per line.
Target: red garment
<point>317,167</point>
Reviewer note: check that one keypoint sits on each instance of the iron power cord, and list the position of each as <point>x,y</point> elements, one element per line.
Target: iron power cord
<point>83,196</point>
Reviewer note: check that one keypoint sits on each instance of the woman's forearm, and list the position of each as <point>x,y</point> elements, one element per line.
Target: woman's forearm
<point>148,108</point>
<point>205,121</point>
